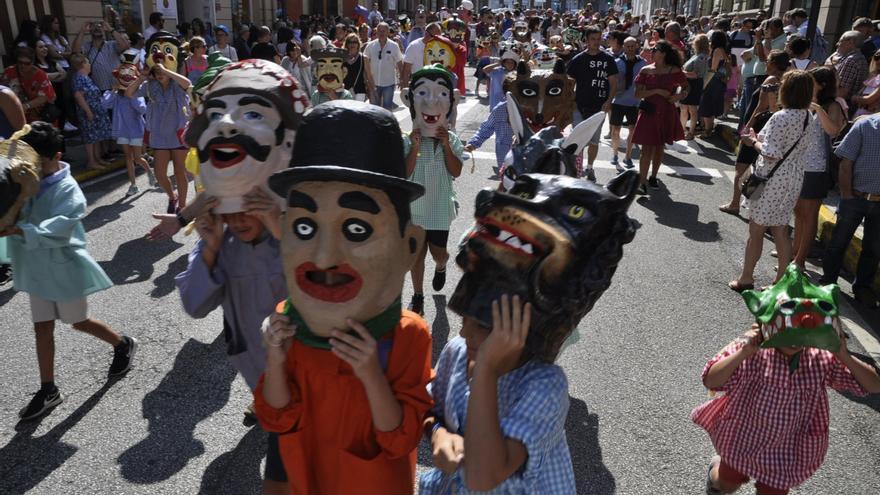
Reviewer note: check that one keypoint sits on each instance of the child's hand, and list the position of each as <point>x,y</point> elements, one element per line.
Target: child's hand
<point>210,229</point>
<point>360,353</point>
<point>443,135</point>
<point>751,340</point>
<point>260,204</point>
<point>416,138</point>
<point>501,350</point>
<point>448,450</point>
<point>277,337</point>
<point>469,148</point>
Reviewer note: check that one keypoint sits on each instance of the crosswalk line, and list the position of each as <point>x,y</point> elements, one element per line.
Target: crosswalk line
<point>664,169</point>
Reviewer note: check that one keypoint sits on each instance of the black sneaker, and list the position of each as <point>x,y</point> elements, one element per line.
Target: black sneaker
<point>417,304</point>
<point>250,417</point>
<point>439,280</point>
<point>653,183</point>
<point>590,175</point>
<point>43,402</point>
<point>642,190</point>
<point>123,355</point>
<point>5,274</point>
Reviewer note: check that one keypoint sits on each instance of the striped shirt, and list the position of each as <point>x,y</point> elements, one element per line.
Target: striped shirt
<point>771,424</point>
<point>437,208</point>
<point>532,405</point>
<point>104,60</point>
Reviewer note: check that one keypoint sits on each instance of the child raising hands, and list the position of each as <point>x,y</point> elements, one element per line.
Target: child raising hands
<point>516,404</point>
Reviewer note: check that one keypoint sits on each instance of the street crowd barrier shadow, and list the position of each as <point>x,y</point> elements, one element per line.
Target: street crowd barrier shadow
<point>196,387</point>
<point>237,471</point>
<point>591,475</point>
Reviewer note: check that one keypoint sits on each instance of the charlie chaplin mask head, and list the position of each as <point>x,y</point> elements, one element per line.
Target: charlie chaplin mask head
<point>553,240</point>
<point>329,67</point>
<point>795,313</point>
<point>164,48</point>
<point>347,240</point>
<point>431,99</point>
<point>245,128</point>
<point>19,177</point>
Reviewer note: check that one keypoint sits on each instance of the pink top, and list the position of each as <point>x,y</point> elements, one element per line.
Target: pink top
<point>772,425</point>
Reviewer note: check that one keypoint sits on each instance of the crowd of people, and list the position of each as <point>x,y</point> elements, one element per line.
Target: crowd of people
<point>805,115</point>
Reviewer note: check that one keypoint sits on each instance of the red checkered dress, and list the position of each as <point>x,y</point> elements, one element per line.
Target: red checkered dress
<point>772,425</point>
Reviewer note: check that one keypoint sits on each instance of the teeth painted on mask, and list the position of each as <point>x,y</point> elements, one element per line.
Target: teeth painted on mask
<point>778,322</point>
<point>503,236</point>
<point>828,320</point>
<point>527,248</point>
<point>788,322</point>
<point>515,242</point>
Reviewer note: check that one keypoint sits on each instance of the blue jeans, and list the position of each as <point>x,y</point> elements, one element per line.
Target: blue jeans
<point>850,213</point>
<point>385,95</point>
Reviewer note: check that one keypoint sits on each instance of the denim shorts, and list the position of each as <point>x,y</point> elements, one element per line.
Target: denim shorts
<point>130,141</point>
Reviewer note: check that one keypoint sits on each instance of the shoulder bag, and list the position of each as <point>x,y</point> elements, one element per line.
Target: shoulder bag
<point>754,184</point>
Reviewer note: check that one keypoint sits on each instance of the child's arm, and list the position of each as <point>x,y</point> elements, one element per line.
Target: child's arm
<point>720,372</point>
<point>68,210</point>
<point>864,373</point>
<point>489,68</point>
<point>452,148</point>
<point>486,130</point>
<point>491,457</point>
<point>139,105</point>
<point>135,86</point>
<point>415,141</point>
<point>108,99</point>
<point>201,288</point>
<point>275,389</point>
<point>180,79</point>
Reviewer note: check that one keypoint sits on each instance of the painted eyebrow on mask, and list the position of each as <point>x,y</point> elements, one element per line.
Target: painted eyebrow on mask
<point>254,100</point>
<point>356,200</point>
<point>215,103</point>
<point>296,199</point>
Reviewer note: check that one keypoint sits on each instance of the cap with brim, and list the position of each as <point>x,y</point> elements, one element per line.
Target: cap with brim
<point>348,141</point>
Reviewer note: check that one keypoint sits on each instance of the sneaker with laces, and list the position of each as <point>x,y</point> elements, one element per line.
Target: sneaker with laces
<point>417,304</point>
<point>123,356</point>
<point>43,401</point>
<point>628,163</point>
<point>152,178</point>
<point>439,280</point>
<point>132,190</point>
<point>590,174</point>
<point>653,183</point>
<point>642,190</point>
<point>614,160</point>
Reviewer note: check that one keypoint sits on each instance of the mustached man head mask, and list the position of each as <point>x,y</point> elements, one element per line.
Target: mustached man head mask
<point>431,98</point>
<point>347,240</point>
<point>329,68</point>
<point>553,240</point>
<point>245,128</point>
<point>164,48</point>
<point>795,313</point>
<point>454,28</point>
<point>19,176</point>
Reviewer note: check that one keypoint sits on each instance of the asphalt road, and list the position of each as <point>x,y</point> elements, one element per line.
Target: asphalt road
<point>173,424</point>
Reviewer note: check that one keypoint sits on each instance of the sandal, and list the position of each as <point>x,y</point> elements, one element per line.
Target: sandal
<point>689,136</point>
<point>729,210</point>
<point>736,286</point>
<point>711,489</point>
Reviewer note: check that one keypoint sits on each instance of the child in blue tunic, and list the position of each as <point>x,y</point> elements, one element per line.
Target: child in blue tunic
<point>50,262</point>
<point>128,131</point>
<point>515,407</point>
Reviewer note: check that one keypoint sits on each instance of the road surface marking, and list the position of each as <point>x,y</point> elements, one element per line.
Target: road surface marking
<point>665,169</point>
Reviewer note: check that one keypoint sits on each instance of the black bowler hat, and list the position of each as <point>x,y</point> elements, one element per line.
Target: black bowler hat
<point>348,141</point>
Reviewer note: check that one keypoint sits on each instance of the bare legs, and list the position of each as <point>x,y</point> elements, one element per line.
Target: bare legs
<point>689,112</point>
<point>132,155</point>
<point>93,156</point>
<point>806,222</point>
<point>45,337</point>
<point>177,157</point>
<point>741,171</point>
<point>755,244</point>
<point>440,256</point>
<point>650,160</point>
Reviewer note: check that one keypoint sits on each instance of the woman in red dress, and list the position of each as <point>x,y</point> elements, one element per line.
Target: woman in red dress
<point>659,85</point>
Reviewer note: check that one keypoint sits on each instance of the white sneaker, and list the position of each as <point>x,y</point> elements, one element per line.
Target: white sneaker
<point>152,178</point>
<point>132,190</point>
<point>68,127</point>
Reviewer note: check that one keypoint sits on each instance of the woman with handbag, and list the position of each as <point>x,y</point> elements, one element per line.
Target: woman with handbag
<point>712,101</point>
<point>659,86</point>
<point>695,69</point>
<point>764,103</point>
<point>773,190</point>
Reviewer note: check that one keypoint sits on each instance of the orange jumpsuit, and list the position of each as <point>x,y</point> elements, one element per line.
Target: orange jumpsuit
<point>327,440</point>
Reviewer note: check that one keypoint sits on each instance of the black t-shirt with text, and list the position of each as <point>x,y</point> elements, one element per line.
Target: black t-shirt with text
<point>591,73</point>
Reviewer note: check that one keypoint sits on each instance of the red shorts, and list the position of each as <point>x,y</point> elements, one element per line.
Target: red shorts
<point>730,475</point>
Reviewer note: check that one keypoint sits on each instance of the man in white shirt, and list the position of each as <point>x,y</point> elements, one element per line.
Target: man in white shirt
<point>414,58</point>
<point>383,59</point>
<point>157,23</point>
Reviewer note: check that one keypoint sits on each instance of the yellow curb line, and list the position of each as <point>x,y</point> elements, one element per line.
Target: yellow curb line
<point>91,174</point>
<point>827,221</point>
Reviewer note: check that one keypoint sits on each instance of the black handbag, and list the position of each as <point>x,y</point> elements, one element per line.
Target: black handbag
<point>754,184</point>
<point>647,107</point>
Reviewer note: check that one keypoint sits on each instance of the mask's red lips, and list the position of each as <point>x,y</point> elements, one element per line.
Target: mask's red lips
<point>336,285</point>
<point>225,155</point>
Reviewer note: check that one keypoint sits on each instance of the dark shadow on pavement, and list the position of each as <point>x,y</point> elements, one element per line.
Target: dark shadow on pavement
<point>102,215</point>
<point>7,294</point>
<point>196,387</point>
<point>439,328</point>
<point>26,461</point>
<point>679,215</point>
<point>237,471</point>
<point>870,400</point>
<point>135,260</point>
<point>164,284</point>
<point>582,431</point>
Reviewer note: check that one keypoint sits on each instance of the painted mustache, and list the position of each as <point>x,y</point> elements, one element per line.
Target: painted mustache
<point>224,152</point>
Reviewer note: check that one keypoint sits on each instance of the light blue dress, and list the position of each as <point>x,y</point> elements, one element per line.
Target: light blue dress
<point>532,405</point>
<point>50,259</point>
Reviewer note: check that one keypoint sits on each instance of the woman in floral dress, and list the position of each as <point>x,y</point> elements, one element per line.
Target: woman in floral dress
<point>93,118</point>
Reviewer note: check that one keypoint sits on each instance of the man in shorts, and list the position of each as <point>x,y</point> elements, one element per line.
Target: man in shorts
<point>625,106</point>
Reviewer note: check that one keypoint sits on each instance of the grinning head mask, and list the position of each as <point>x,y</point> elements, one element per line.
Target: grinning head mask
<point>546,97</point>
<point>245,128</point>
<point>546,151</point>
<point>329,67</point>
<point>455,29</point>
<point>126,74</point>
<point>347,240</point>
<point>19,176</point>
<point>553,240</point>
<point>440,51</point>
<point>164,48</point>
<point>521,31</point>
<point>572,36</point>
<point>431,99</point>
<point>795,313</point>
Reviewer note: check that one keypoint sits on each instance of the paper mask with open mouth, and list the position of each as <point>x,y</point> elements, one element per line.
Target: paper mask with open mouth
<point>553,240</point>
<point>431,98</point>
<point>795,313</point>
<point>19,176</point>
<point>438,51</point>
<point>347,239</point>
<point>329,68</point>
<point>245,128</point>
<point>164,48</point>
<point>455,28</point>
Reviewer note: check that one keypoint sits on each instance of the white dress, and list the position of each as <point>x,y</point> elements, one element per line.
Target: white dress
<point>776,204</point>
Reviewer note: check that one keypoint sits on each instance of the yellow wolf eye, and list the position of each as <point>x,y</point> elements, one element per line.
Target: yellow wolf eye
<point>576,212</point>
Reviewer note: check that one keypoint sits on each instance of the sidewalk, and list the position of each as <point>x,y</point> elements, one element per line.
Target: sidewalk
<point>75,155</point>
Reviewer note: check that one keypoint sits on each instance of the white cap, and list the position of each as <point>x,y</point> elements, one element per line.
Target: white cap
<point>467,5</point>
